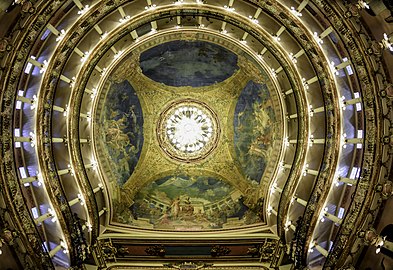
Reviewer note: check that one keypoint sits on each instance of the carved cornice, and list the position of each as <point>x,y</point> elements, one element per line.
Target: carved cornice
<point>303,131</point>
<point>363,195</point>
<point>79,30</point>
<point>25,32</point>
<point>119,266</point>
<point>26,243</point>
<point>44,147</point>
<point>332,125</point>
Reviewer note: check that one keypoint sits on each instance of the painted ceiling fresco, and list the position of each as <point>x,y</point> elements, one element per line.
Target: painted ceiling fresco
<point>121,129</point>
<point>188,203</point>
<point>186,63</point>
<point>220,192</point>
<point>254,125</point>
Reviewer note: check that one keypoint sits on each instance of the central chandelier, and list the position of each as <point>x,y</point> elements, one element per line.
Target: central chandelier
<point>188,130</point>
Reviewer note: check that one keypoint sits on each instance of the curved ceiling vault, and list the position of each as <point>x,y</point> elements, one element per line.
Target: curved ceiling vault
<point>194,134</point>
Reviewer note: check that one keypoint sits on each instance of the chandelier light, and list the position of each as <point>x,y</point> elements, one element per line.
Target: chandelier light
<point>188,130</point>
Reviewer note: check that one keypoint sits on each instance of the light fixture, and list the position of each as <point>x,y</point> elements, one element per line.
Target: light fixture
<point>64,247</point>
<point>93,93</point>
<point>310,110</point>
<point>70,169</point>
<point>118,54</point>
<point>88,117</point>
<point>281,166</point>
<point>305,83</point>
<point>230,9</point>
<point>386,42</point>
<point>273,188</point>
<point>126,18</point>
<point>103,71</point>
<point>44,66</point>
<point>89,226</point>
<point>254,20</point>
<point>333,68</point>
<point>85,56</point>
<point>293,199</point>
<point>286,142</point>
<point>53,215</point>
<point>34,102</point>
<point>150,7</point>
<point>83,10</point>
<point>362,4</point>
<point>65,112</point>
<point>287,225</point>
<point>317,38</point>
<point>104,35</point>
<point>189,129</point>
<point>61,35</point>
<point>305,169</point>
<point>40,179</point>
<point>343,104</point>
<point>72,82</point>
<point>32,139</point>
<point>311,140</point>
<point>273,72</point>
<point>269,210</point>
<point>295,12</point>
<point>311,247</point>
<point>81,199</point>
<point>293,58</point>
<point>344,140</point>
<point>276,38</point>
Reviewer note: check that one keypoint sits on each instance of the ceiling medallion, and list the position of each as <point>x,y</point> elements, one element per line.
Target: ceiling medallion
<point>188,130</point>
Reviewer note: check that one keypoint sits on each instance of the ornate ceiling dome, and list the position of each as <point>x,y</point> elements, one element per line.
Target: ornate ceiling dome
<point>173,147</point>
<point>193,134</point>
